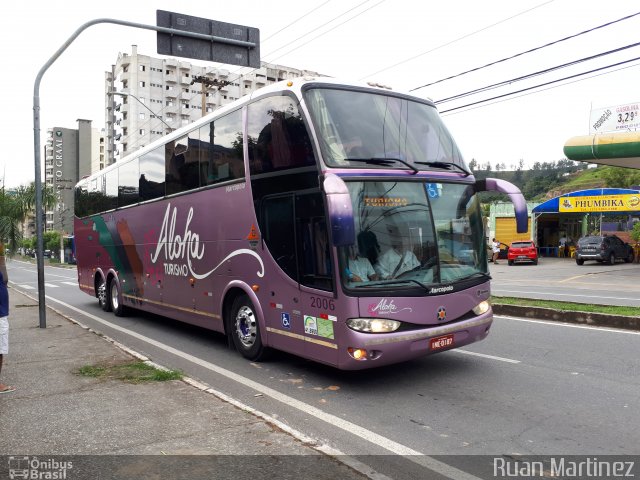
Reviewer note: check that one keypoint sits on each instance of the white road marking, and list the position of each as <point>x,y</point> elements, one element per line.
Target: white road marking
<point>73,284</point>
<point>50,285</point>
<point>570,325</point>
<point>484,355</point>
<point>26,287</point>
<point>361,432</point>
<point>500,291</point>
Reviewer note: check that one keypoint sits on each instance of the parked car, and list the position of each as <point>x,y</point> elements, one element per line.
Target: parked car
<point>603,248</point>
<point>522,252</point>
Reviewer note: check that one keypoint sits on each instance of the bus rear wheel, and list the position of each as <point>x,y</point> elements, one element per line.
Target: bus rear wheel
<point>244,329</point>
<point>115,299</point>
<point>101,293</point>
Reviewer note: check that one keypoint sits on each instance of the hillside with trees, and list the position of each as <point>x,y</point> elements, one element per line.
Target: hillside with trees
<point>550,179</point>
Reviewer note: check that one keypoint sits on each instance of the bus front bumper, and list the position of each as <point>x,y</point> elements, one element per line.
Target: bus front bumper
<point>364,350</point>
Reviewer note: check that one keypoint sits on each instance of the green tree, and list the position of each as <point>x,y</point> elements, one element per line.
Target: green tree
<point>15,205</point>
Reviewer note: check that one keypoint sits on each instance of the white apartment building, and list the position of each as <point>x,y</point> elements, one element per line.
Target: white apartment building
<point>147,97</point>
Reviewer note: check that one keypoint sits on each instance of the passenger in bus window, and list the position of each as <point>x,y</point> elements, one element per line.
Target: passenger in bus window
<point>397,260</point>
<point>359,267</point>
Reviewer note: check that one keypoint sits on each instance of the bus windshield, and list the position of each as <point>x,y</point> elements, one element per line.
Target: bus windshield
<point>357,127</point>
<point>412,235</point>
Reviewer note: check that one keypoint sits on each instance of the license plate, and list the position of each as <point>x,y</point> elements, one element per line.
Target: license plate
<point>522,257</point>
<point>441,342</point>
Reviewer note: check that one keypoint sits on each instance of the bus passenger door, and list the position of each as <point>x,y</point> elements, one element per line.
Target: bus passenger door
<point>295,231</point>
<point>315,273</point>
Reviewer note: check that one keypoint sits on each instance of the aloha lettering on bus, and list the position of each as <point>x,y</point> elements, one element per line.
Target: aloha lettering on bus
<point>187,247</point>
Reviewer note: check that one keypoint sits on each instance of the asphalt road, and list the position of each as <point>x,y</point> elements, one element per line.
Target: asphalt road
<point>530,388</point>
<point>563,280</point>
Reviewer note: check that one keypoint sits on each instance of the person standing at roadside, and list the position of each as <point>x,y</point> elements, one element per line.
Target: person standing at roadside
<point>495,248</point>
<point>4,320</point>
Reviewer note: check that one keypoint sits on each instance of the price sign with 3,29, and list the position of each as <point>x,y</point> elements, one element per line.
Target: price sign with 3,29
<point>621,118</point>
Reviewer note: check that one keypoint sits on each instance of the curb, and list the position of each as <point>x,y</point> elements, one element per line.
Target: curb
<point>582,318</point>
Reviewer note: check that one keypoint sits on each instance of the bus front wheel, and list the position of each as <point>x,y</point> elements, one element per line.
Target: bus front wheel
<point>245,329</point>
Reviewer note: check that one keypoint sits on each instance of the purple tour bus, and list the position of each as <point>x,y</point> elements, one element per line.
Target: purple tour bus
<point>334,221</point>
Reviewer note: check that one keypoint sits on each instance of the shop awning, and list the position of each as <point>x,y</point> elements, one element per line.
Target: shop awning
<point>601,200</point>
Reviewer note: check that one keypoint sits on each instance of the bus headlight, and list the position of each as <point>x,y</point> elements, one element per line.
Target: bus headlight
<point>373,325</point>
<point>482,307</point>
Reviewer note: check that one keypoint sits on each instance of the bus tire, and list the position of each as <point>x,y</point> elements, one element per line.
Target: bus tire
<point>244,329</point>
<point>101,293</point>
<point>115,299</point>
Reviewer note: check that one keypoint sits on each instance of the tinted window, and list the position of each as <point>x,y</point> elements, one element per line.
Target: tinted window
<point>128,179</point>
<point>222,158</point>
<point>277,136</point>
<point>152,176</point>
<point>81,201</point>
<point>277,227</point>
<point>111,188</point>
<point>182,159</point>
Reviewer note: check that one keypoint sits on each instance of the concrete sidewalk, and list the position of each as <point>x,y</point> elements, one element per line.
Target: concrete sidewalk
<point>57,411</point>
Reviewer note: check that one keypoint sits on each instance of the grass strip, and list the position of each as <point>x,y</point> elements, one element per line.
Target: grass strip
<point>131,372</point>
<point>568,306</point>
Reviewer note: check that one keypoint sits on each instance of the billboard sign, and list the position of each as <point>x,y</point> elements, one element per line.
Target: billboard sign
<point>620,118</point>
<point>600,203</point>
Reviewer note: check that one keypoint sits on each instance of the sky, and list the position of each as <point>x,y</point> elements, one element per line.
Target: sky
<point>400,43</point>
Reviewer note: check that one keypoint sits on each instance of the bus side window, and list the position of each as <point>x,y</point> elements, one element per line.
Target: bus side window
<point>181,161</point>
<point>278,138</point>
<point>222,154</point>
<point>152,176</point>
<point>128,178</point>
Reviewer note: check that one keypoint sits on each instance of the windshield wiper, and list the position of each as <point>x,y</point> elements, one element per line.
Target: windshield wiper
<point>446,166</point>
<point>383,161</point>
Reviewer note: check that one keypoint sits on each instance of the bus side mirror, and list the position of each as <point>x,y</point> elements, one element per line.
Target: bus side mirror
<point>340,211</point>
<point>515,195</point>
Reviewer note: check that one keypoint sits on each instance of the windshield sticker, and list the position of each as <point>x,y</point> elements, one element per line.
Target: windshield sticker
<point>386,202</point>
<point>310,325</point>
<point>386,307</point>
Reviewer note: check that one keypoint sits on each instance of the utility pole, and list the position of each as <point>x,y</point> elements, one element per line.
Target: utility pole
<point>205,84</point>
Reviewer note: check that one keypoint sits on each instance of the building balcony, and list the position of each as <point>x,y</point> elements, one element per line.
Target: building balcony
<point>171,78</point>
<point>185,80</point>
<point>171,62</point>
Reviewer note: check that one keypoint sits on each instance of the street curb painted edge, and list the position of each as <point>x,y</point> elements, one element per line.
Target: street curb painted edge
<point>582,318</point>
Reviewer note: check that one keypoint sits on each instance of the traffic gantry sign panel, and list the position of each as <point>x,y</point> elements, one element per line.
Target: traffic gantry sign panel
<point>236,44</point>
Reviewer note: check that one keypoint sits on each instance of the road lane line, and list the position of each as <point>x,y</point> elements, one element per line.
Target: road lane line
<point>484,355</point>
<point>73,284</point>
<point>50,285</point>
<point>26,287</point>
<point>361,432</point>
<point>499,291</point>
<point>570,325</point>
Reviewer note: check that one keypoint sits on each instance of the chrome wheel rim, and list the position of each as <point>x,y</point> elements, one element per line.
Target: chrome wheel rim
<point>246,326</point>
<point>114,296</point>
<point>102,293</point>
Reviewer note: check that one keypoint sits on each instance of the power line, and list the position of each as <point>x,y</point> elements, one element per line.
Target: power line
<point>456,40</point>
<point>540,85</point>
<point>527,51</point>
<point>534,74</point>
<point>295,21</point>
<point>539,91</point>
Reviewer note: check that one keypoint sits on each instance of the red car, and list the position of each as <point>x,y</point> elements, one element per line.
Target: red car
<point>522,251</point>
